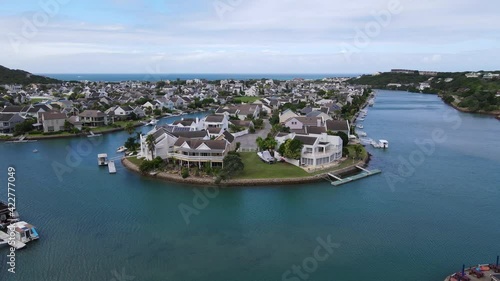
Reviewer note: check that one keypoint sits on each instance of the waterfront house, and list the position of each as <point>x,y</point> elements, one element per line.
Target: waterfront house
<point>318,149</point>
<point>95,118</point>
<point>194,151</point>
<point>52,121</point>
<point>8,121</point>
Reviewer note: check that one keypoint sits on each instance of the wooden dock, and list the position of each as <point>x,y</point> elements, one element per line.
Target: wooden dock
<point>111,167</point>
<point>366,173</point>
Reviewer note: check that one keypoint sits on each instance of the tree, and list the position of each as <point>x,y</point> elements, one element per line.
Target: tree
<point>275,118</point>
<point>129,128</point>
<point>358,150</point>
<point>67,126</point>
<point>24,127</point>
<point>232,166</point>
<point>342,135</point>
<point>131,144</point>
<point>291,148</point>
<point>150,141</point>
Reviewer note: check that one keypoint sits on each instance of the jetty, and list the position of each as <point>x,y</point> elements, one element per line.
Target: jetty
<point>364,174</point>
<point>111,167</point>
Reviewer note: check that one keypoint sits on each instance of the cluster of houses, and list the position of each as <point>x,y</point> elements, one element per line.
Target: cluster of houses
<point>206,140</point>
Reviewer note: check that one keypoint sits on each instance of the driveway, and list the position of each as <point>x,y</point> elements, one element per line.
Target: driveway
<point>248,141</point>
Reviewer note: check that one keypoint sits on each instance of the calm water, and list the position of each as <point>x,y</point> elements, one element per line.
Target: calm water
<point>441,213</point>
<point>208,76</point>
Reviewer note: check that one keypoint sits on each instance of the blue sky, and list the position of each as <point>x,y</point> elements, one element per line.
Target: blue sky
<point>248,36</point>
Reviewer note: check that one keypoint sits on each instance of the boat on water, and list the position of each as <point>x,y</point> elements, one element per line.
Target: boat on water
<point>383,144</point>
<point>361,119</point>
<point>92,135</point>
<point>121,149</point>
<point>35,150</point>
<point>102,159</point>
<point>362,134</point>
<point>371,102</point>
<point>153,122</point>
<point>266,157</point>
<point>380,144</point>
<point>19,234</point>
<point>360,126</point>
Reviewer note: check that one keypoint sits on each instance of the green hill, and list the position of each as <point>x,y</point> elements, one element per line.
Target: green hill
<point>16,76</point>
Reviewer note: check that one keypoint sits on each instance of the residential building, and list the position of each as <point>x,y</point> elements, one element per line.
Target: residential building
<point>8,121</point>
<point>318,149</point>
<point>95,118</point>
<point>52,121</point>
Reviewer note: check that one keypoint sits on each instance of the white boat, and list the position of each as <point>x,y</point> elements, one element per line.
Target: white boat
<point>362,134</point>
<point>383,144</point>
<point>92,135</point>
<point>153,122</point>
<point>121,149</point>
<point>371,103</point>
<point>19,234</point>
<point>102,159</point>
<point>360,126</point>
<point>266,157</point>
<point>361,119</point>
<point>35,150</point>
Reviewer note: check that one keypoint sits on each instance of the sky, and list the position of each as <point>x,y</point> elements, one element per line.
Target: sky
<point>249,36</point>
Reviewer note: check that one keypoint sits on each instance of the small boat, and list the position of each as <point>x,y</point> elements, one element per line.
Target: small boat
<point>92,135</point>
<point>266,157</point>
<point>102,159</point>
<point>362,134</point>
<point>22,233</point>
<point>361,119</point>
<point>153,122</point>
<point>360,126</point>
<point>35,150</point>
<point>383,144</point>
<point>121,149</point>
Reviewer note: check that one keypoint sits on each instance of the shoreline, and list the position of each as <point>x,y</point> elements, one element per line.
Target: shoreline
<point>199,182</point>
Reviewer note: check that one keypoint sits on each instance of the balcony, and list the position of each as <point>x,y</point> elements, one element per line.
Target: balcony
<point>196,158</point>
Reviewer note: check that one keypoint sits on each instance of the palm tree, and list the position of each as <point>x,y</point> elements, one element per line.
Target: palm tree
<point>150,141</point>
<point>129,128</point>
<point>260,142</point>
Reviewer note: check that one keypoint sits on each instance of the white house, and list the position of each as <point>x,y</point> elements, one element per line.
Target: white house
<point>216,121</point>
<point>299,123</point>
<point>52,121</point>
<point>286,115</point>
<point>318,149</point>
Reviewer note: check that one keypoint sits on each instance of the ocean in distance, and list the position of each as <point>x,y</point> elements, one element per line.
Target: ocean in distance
<point>421,219</point>
<point>207,76</point>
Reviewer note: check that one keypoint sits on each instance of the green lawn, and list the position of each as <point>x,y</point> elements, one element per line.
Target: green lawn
<point>247,99</point>
<point>135,161</point>
<point>256,169</point>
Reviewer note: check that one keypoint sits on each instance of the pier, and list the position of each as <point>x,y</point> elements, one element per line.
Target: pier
<point>487,272</point>
<point>366,173</point>
<point>111,167</point>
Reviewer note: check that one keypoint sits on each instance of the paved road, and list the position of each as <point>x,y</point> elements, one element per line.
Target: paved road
<point>248,141</point>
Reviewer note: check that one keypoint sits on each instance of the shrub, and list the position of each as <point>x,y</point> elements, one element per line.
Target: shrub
<point>184,172</point>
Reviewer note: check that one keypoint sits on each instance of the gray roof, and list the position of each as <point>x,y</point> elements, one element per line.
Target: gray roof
<point>92,113</point>
<point>315,130</point>
<point>190,134</point>
<point>306,140</point>
<point>6,117</point>
<point>337,125</point>
<point>53,115</point>
<point>214,118</point>
<point>193,144</point>
<point>228,136</point>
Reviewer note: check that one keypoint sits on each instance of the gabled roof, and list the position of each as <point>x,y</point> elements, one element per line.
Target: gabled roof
<point>214,118</point>
<point>315,130</point>
<point>92,113</point>
<point>194,144</point>
<point>337,125</point>
<point>6,117</point>
<point>228,136</point>
<point>190,134</point>
<point>306,139</point>
<point>53,115</point>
